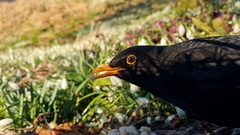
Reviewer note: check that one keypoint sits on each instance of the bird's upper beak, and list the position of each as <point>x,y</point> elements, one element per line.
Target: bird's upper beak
<point>105,71</point>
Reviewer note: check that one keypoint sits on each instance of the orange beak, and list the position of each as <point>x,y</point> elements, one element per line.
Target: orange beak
<point>105,71</point>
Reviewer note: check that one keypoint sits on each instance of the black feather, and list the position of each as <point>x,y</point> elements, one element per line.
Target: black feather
<point>201,76</point>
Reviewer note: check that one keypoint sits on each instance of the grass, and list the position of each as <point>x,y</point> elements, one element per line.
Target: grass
<point>52,81</point>
<point>58,21</point>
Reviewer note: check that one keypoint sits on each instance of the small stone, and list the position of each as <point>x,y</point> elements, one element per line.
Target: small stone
<point>133,127</point>
<point>143,128</point>
<point>142,100</point>
<point>144,133</point>
<point>169,119</point>
<point>158,118</point>
<point>114,132</point>
<point>149,120</point>
<point>131,130</point>
<point>123,130</point>
<point>152,133</point>
<point>5,122</point>
<point>121,117</point>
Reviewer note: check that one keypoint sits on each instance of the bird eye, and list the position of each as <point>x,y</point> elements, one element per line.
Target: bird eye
<point>131,59</point>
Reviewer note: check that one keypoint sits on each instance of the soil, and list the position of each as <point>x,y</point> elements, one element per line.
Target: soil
<point>177,127</point>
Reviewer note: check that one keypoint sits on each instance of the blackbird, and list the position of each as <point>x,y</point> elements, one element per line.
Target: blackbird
<point>201,76</point>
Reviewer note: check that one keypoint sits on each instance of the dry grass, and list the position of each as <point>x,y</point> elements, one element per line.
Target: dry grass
<point>21,17</point>
<point>50,20</point>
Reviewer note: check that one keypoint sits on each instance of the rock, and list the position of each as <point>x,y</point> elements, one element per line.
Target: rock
<point>123,130</point>
<point>5,122</point>
<point>149,120</point>
<point>144,133</point>
<point>152,133</point>
<point>143,128</point>
<point>169,119</point>
<point>114,132</point>
<point>131,130</point>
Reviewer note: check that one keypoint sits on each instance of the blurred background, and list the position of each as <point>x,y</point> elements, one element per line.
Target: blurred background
<point>48,48</point>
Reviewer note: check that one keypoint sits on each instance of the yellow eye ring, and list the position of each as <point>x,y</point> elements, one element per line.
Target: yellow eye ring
<point>131,59</point>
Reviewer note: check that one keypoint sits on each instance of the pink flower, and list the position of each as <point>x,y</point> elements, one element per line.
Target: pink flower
<point>159,23</point>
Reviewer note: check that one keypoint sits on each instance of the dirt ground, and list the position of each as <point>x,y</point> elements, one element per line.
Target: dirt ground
<point>177,127</point>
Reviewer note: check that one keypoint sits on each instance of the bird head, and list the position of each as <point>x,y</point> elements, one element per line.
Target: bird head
<point>134,65</point>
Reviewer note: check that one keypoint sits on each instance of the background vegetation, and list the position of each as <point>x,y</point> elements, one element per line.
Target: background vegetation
<point>49,48</point>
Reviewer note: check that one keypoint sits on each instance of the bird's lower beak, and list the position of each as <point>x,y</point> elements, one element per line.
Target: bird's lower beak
<point>104,71</point>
